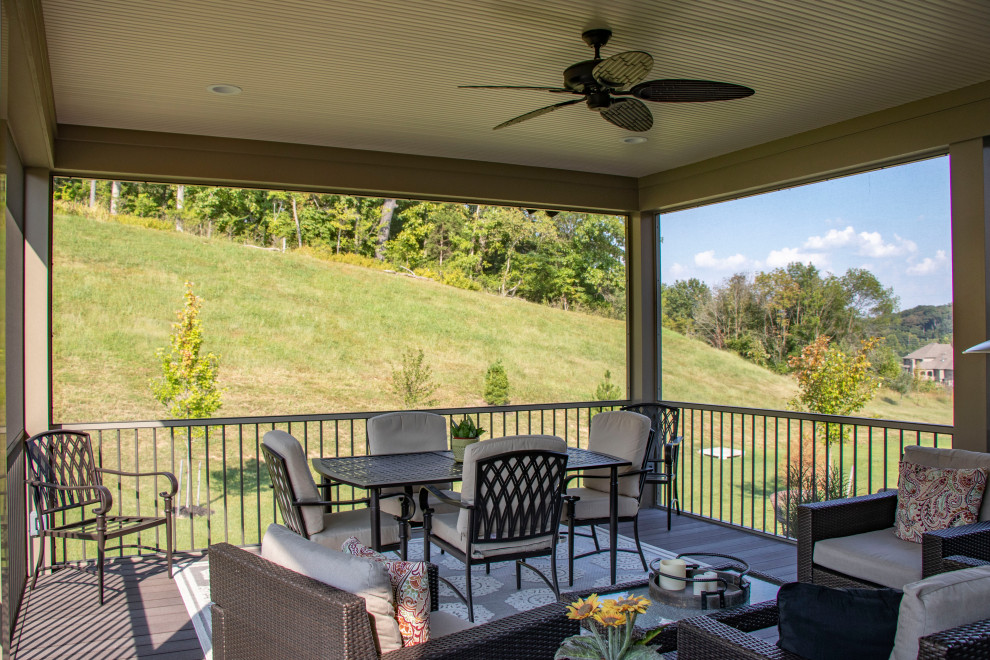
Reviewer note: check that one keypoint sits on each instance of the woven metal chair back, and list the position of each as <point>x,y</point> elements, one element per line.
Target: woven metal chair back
<point>518,495</point>
<point>663,420</point>
<point>284,493</point>
<point>64,458</point>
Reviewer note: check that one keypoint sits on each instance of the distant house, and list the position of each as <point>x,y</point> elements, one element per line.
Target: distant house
<point>931,362</point>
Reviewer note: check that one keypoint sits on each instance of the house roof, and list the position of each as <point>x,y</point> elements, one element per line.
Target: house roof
<point>383,75</point>
<point>934,355</point>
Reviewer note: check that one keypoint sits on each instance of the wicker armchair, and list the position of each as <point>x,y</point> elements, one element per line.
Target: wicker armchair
<point>723,635</point>
<point>262,610</point>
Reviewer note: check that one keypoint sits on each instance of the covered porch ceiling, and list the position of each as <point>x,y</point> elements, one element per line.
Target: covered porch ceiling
<point>382,75</point>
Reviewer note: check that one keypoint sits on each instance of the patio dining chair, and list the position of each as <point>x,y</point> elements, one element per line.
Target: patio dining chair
<point>64,479</point>
<point>406,432</point>
<point>306,513</point>
<point>621,433</point>
<point>664,421</point>
<point>509,507</point>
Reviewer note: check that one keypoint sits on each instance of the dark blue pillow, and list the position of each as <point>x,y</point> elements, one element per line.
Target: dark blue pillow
<point>821,623</point>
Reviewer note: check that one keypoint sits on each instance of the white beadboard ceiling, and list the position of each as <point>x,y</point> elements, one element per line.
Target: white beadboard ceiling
<point>383,74</point>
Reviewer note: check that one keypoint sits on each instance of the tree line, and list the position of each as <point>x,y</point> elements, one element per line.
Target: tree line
<point>567,260</point>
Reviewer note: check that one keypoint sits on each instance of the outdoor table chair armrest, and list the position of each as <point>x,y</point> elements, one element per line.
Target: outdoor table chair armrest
<point>427,490</point>
<point>621,475</point>
<point>958,562</point>
<point>962,643</point>
<point>168,475</point>
<point>818,521</point>
<point>971,540</point>
<point>106,498</point>
<point>706,638</point>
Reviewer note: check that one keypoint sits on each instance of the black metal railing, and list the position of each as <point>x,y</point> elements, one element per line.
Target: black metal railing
<point>742,466</point>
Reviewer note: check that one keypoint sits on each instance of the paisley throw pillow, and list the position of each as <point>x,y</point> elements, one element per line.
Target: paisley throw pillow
<point>411,587</point>
<point>931,498</point>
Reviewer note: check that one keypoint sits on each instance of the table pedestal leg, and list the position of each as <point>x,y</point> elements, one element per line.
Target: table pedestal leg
<point>613,519</point>
<point>376,516</point>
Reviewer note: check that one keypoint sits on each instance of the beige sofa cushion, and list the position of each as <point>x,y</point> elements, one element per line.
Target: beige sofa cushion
<point>356,575</point>
<point>624,434</point>
<point>405,432</point>
<point>878,556</point>
<point>938,603</point>
<point>445,623</point>
<point>952,458</point>
<point>302,479</point>
<point>594,504</point>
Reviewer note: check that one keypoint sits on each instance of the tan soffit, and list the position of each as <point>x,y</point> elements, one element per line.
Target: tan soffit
<point>382,74</point>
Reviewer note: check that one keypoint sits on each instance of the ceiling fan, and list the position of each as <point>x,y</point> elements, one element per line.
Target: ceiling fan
<point>604,84</point>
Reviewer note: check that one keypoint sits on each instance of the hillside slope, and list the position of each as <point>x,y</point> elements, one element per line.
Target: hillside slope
<point>299,335</point>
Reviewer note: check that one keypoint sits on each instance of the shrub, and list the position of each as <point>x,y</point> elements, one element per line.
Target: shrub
<point>606,391</point>
<point>412,380</point>
<point>188,384</point>
<point>807,481</point>
<point>496,385</point>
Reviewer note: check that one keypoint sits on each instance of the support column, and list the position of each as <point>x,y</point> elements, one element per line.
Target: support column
<point>641,335</point>
<point>970,181</point>
<point>37,299</point>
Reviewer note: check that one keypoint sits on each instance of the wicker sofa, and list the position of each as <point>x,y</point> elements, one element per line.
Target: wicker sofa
<point>262,610</point>
<point>858,532</point>
<point>723,635</point>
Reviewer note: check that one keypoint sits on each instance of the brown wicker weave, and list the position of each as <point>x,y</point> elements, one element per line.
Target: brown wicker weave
<point>824,520</point>
<point>262,610</point>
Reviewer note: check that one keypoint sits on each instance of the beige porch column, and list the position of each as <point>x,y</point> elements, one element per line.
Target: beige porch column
<point>970,180</point>
<point>37,299</point>
<point>641,340</point>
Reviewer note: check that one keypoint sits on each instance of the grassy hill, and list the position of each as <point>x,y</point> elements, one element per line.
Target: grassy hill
<point>301,335</point>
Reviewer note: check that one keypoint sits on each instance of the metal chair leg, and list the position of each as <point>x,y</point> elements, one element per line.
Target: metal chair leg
<point>553,569</point>
<point>570,546</point>
<point>639,548</point>
<point>467,587</point>
<point>168,535</point>
<point>38,565</point>
<point>100,552</point>
<point>518,575</point>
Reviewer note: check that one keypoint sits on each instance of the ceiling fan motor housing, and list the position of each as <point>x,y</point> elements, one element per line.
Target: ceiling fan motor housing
<point>579,78</point>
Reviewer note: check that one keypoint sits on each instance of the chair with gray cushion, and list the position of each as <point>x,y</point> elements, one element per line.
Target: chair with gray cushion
<point>509,507</point>
<point>851,542</point>
<point>306,513</point>
<point>621,433</point>
<point>403,433</point>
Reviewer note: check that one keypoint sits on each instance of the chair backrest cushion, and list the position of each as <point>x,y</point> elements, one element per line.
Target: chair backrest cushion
<point>494,447</point>
<point>405,432</point>
<point>624,434</point>
<point>356,575</point>
<point>952,458</point>
<point>938,603</point>
<point>302,479</point>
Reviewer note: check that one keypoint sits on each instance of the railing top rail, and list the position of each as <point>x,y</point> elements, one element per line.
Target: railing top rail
<point>484,410</point>
<point>922,427</point>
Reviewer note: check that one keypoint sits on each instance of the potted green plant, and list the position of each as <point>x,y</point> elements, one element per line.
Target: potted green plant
<point>462,435</point>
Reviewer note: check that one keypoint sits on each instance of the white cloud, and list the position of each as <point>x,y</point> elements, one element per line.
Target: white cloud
<point>867,244</point>
<point>707,259</point>
<point>834,238</point>
<point>677,270</point>
<point>784,256</point>
<point>929,265</point>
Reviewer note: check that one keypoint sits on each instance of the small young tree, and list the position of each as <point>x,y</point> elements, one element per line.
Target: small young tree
<point>606,391</point>
<point>188,384</point>
<point>412,380</point>
<point>496,384</point>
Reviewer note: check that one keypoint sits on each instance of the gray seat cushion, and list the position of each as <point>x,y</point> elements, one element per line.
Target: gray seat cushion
<point>879,557</point>
<point>445,623</point>
<point>393,507</point>
<point>445,527</point>
<point>341,525</point>
<point>356,575</point>
<point>594,504</point>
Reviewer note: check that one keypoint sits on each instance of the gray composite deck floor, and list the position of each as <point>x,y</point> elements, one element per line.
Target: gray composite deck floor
<point>144,616</point>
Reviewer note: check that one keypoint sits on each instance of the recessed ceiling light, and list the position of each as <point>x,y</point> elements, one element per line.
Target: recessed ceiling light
<point>634,139</point>
<point>225,90</point>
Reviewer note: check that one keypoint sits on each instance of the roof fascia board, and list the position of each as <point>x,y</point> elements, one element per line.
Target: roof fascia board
<point>31,102</point>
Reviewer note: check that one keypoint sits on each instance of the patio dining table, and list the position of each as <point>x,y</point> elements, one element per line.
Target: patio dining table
<point>373,473</point>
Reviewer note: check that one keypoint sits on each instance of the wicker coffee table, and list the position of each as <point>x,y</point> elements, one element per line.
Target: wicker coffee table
<point>762,588</point>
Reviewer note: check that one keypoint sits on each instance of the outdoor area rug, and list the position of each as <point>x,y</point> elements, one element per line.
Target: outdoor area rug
<point>495,595</point>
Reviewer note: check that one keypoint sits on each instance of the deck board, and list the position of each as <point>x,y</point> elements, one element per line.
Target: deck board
<point>144,616</point>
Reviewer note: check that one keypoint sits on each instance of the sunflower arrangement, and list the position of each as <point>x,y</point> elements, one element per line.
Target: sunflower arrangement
<point>617,619</point>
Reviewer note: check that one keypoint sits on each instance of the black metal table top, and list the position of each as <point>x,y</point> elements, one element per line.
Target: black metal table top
<point>431,467</point>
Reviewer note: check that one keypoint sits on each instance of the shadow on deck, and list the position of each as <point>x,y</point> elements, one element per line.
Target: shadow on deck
<point>144,616</point>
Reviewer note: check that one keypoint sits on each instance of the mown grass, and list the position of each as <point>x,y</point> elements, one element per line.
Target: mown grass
<point>302,335</point>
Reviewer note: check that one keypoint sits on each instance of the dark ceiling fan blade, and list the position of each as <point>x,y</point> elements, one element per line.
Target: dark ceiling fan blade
<point>688,91</point>
<point>537,113</point>
<point>544,89</point>
<point>623,69</point>
<point>630,114</point>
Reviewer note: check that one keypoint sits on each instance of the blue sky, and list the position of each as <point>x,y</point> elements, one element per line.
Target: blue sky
<point>893,222</point>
